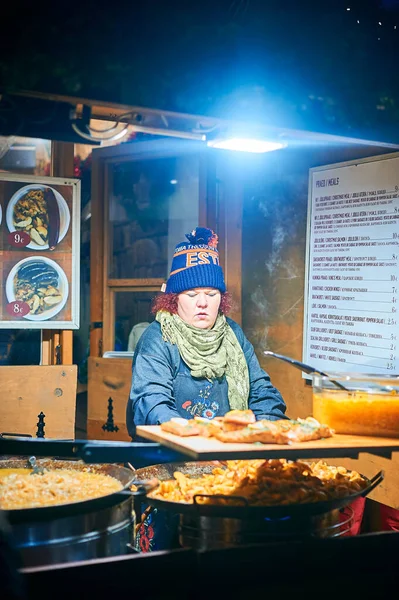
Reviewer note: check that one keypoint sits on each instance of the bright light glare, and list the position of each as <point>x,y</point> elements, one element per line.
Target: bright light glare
<point>118,136</point>
<point>246,145</point>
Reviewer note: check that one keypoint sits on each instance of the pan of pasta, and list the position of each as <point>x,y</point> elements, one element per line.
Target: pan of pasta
<point>52,489</point>
<point>255,488</point>
<point>61,511</point>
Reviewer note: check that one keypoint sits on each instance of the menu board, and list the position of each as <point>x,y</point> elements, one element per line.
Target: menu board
<point>40,252</point>
<point>351,287</point>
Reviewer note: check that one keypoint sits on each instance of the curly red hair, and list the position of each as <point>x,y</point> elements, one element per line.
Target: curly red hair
<point>168,302</point>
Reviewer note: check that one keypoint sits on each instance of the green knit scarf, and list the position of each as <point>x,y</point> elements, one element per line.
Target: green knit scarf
<point>210,353</point>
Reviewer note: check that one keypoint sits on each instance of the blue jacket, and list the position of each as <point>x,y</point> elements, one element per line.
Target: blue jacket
<point>162,386</point>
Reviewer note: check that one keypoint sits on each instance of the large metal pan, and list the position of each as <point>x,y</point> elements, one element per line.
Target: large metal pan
<point>243,511</point>
<point>47,513</point>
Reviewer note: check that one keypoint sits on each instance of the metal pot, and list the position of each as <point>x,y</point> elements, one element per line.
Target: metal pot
<point>206,533</point>
<point>95,528</point>
<point>204,526</point>
<point>160,528</point>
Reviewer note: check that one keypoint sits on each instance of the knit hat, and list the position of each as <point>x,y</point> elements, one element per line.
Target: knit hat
<point>196,263</point>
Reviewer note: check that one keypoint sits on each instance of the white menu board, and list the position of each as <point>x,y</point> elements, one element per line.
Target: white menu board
<point>351,319</point>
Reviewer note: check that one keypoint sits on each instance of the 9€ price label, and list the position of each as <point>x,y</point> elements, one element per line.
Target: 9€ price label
<point>17,308</point>
<point>19,239</point>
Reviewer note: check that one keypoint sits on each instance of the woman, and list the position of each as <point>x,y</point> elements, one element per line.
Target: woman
<point>192,360</point>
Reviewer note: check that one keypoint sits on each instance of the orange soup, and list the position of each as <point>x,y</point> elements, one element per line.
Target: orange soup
<point>358,413</point>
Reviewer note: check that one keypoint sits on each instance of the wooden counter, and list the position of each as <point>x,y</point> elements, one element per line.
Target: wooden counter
<point>204,448</point>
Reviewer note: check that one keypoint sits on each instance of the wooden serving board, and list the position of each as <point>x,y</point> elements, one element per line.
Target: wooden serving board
<point>201,448</point>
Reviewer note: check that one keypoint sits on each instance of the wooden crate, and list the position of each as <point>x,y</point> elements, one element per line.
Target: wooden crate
<point>109,378</point>
<point>28,390</point>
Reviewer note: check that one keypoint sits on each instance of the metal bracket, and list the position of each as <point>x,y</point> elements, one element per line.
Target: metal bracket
<point>140,454</point>
<point>58,354</point>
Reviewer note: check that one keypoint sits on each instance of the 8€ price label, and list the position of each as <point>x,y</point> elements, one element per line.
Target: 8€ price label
<point>17,308</point>
<point>19,239</point>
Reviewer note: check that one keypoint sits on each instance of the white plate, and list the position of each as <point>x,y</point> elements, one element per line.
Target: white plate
<point>1,214</point>
<point>65,216</point>
<point>63,286</point>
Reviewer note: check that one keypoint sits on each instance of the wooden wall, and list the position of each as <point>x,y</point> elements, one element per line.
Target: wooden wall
<point>109,379</point>
<point>26,391</point>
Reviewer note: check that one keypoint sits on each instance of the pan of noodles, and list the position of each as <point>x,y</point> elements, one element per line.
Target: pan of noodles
<point>244,489</point>
<point>53,489</point>
<point>61,511</point>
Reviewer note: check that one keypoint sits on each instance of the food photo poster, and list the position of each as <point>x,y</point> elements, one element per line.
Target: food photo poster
<point>40,252</point>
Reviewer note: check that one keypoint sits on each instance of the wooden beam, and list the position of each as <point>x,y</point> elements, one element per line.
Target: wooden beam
<point>46,349</point>
<point>66,343</point>
<point>62,159</point>
<point>155,282</point>
<point>228,218</point>
<point>57,345</point>
<point>207,191</point>
<point>107,262</point>
<point>111,110</point>
<point>232,220</point>
<point>97,257</point>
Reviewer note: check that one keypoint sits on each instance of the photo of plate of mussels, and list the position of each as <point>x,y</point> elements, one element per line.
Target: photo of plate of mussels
<point>40,211</point>
<point>41,283</point>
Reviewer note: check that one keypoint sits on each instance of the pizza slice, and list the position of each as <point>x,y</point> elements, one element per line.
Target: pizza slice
<point>181,427</point>
<point>261,431</point>
<point>304,430</point>
<point>294,431</point>
<point>208,427</point>
<point>277,432</point>
<point>237,419</point>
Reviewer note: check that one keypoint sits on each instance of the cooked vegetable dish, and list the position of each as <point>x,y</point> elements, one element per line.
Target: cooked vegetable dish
<point>37,284</point>
<point>20,488</point>
<point>37,213</point>
<point>264,483</point>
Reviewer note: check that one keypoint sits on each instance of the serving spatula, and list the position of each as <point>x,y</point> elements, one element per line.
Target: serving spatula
<point>305,368</point>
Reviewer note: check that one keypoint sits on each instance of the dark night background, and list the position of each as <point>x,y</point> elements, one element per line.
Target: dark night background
<point>296,63</point>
